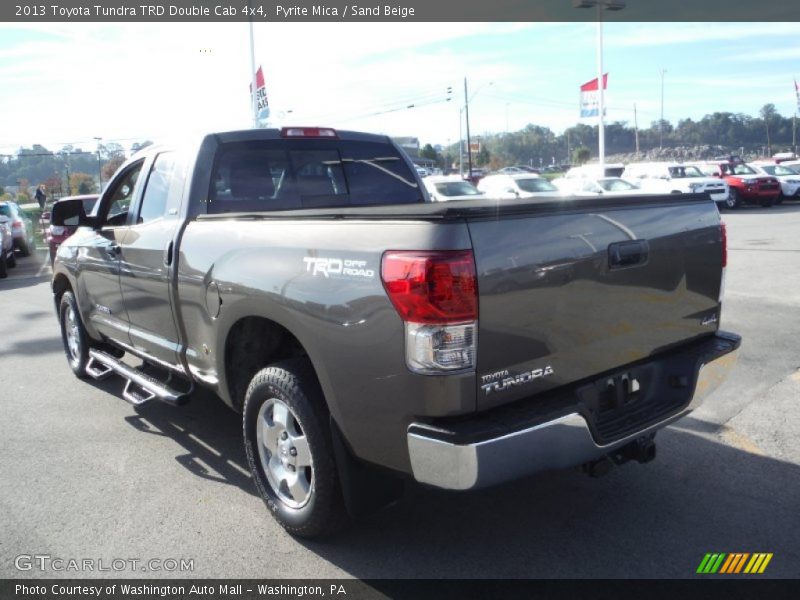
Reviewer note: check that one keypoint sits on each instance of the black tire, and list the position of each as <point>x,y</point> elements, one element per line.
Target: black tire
<point>3,264</point>
<point>779,199</point>
<point>12,261</point>
<point>73,335</point>
<point>24,249</point>
<point>292,384</point>
<point>767,202</point>
<point>734,199</point>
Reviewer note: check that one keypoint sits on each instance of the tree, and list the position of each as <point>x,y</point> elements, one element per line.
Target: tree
<point>136,146</point>
<point>82,183</point>
<point>483,157</point>
<point>111,166</point>
<point>581,155</point>
<point>429,152</point>
<point>767,113</point>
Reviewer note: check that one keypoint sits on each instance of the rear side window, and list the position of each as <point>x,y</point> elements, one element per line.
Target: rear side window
<point>290,174</point>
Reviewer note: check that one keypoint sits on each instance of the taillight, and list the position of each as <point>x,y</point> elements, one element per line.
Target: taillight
<point>431,287</point>
<point>16,224</point>
<point>723,231</point>
<point>308,132</point>
<point>724,235</point>
<point>436,294</point>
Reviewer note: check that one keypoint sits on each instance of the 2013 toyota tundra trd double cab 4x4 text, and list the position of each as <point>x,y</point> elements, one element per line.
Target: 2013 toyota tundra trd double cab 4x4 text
<point>369,336</point>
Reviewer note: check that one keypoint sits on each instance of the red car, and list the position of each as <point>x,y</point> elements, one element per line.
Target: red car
<point>746,185</point>
<point>56,234</point>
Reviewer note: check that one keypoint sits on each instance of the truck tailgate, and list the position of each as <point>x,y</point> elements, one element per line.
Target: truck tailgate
<point>565,295</point>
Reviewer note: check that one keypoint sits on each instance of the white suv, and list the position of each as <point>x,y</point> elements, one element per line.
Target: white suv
<point>674,178</point>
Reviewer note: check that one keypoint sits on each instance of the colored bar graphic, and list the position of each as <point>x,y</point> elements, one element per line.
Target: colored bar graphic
<point>703,563</point>
<point>764,564</point>
<point>741,562</point>
<point>732,558</point>
<point>717,564</point>
<point>728,564</point>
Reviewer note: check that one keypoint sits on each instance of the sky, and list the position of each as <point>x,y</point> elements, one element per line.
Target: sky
<point>67,83</point>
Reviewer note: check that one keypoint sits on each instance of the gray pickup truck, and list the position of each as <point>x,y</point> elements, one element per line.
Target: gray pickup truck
<point>370,337</point>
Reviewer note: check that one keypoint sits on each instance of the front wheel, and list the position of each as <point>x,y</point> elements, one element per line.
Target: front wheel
<point>734,199</point>
<point>289,449</point>
<point>73,335</point>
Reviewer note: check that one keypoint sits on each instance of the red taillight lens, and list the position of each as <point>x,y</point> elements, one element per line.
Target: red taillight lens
<point>16,223</point>
<point>724,234</point>
<point>308,132</point>
<point>431,287</point>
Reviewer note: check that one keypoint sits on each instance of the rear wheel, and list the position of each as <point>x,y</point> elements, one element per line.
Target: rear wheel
<point>734,199</point>
<point>73,335</point>
<point>289,449</point>
<point>3,264</point>
<point>24,248</point>
<point>12,261</point>
<point>779,199</point>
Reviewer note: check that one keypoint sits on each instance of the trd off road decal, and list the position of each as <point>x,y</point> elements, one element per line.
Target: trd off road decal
<point>337,267</point>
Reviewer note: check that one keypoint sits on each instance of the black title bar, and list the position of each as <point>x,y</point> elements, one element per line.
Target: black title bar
<point>129,11</point>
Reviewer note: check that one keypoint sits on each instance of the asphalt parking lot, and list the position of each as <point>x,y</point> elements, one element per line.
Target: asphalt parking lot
<point>85,475</point>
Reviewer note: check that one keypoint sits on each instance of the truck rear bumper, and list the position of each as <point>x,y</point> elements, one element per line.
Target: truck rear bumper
<point>476,453</point>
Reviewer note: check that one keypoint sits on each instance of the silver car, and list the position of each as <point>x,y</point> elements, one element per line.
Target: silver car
<point>21,227</point>
<point>7,258</point>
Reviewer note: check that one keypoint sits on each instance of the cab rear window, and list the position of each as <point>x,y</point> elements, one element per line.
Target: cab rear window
<point>273,175</point>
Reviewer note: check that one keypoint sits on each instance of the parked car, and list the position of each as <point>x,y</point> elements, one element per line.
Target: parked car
<point>21,227</point>
<point>56,234</point>
<point>371,338</point>
<point>746,185</point>
<point>788,177</point>
<point>594,171</point>
<point>519,185</point>
<point>585,186</point>
<point>671,178</point>
<point>450,187</point>
<point>7,258</point>
<point>518,169</point>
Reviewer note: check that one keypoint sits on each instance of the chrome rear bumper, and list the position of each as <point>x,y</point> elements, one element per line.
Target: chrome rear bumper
<point>560,443</point>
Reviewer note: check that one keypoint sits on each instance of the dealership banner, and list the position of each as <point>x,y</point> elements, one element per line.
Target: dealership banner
<point>590,97</point>
<point>261,95</point>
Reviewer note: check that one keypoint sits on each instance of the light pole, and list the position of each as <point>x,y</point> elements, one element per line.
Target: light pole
<point>601,5</point>
<point>467,98</point>
<point>661,123</point>
<point>99,167</point>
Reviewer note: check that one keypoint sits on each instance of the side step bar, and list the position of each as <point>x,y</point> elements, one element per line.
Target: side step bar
<point>140,387</point>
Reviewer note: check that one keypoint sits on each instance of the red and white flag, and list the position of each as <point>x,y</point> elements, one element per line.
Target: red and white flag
<point>261,95</point>
<point>797,93</point>
<point>590,97</point>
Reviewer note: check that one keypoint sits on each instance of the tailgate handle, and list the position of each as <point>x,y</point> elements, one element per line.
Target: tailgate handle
<point>628,254</point>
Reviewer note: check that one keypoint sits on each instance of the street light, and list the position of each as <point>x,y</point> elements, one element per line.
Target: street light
<point>601,5</point>
<point>99,168</point>
<point>661,123</point>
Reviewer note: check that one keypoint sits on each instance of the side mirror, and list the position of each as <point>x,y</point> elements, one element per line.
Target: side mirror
<point>70,213</point>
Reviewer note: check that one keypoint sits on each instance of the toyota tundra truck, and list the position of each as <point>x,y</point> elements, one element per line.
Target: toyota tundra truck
<point>371,338</point>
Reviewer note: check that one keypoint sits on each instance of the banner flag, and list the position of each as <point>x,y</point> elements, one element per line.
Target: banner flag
<point>261,95</point>
<point>797,93</point>
<point>590,97</point>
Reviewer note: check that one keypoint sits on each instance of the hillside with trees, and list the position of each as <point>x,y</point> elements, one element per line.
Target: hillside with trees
<point>715,134</point>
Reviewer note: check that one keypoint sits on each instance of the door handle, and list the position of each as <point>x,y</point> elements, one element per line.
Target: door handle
<point>113,250</point>
<point>168,254</point>
<point>628,254</point>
